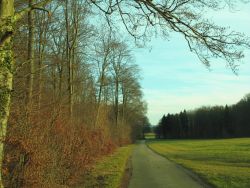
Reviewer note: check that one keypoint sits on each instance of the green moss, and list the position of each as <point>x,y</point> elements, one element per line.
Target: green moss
<point>6,61</point>
<point>9,61</point>
<point>6,64</point>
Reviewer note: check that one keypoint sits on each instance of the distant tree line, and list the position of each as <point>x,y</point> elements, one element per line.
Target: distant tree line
<point>208,122</point>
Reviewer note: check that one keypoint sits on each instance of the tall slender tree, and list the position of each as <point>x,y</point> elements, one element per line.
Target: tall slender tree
<point>8,18</point>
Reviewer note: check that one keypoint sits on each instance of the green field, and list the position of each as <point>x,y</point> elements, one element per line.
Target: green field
<point>222,163</point>
<point>149,135</point>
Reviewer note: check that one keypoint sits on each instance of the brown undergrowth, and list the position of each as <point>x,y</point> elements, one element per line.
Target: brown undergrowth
<point>54,151</point>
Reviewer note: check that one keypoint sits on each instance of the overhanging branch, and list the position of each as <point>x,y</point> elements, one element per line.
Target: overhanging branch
<point>39,6</point>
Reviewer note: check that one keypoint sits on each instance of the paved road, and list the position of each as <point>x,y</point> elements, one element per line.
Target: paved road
<point>151,170</point>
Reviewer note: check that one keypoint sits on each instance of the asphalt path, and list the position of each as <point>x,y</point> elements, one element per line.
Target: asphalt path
<point>151,170</point>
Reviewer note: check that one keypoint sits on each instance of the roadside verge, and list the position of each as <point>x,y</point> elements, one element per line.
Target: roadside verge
<point>112,171</point>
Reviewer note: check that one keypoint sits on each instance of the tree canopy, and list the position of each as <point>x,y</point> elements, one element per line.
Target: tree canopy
<point>186,17</point>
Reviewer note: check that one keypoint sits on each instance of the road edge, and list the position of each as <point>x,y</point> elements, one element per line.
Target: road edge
<point>196,177</point>
<point>127,173</point>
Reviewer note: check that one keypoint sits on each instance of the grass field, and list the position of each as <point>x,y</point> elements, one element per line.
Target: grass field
<point>149,135</point>
<point>109,171</point>
<point>222,163</point>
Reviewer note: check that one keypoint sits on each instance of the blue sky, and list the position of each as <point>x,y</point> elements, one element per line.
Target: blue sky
<point>174,79</point>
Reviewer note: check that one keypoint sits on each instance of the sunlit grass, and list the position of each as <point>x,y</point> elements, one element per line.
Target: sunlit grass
<point>109,171</point>
<point>223,163</point>
<point>149,135</point>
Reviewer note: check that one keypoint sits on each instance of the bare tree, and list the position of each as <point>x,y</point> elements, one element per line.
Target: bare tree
<point>102,56</point>
<point>73,15</point>
<point>43,21</point>
<point>121,57</point>
<point>31,50</point>
<point>130,88</point>
<point>8,17</point>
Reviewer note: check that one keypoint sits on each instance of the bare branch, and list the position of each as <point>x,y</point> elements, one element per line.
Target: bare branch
<point>204,38</point>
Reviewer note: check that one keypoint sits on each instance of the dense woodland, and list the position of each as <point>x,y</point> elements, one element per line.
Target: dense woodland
<point>69,86</point>
<point>208,122</point>
<point>76,96</point>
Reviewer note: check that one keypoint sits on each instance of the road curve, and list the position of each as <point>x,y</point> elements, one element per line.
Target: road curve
<point>151,170</point>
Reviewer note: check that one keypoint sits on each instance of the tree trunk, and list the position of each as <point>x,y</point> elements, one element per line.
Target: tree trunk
<point>68,57</point>
<point>30,80</point>
<point>40,63</point>
<point>99,98</point>
<point>116,101</point>
<point>6,69</point>
<point>41,48</point>
<point>124,98</point>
